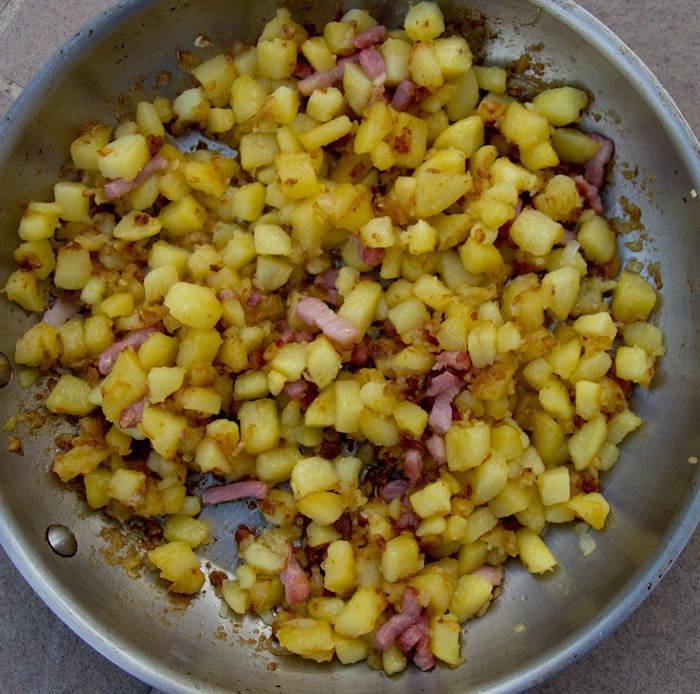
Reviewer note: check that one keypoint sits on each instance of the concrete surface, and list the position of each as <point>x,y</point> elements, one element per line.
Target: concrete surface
<point>655,651</point>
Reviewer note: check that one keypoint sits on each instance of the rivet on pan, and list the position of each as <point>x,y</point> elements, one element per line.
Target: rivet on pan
<point>5,370</point>
<point>61,540</point>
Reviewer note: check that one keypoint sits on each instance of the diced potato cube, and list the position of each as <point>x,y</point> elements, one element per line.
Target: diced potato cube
<point>73,268</point>
<point>259,425</point>
<point>554,485</point>
<point>271,239</point>
<point>586,442</point>
<point>633,298</point>
<point>490,78</point>
<point>444,638</point>
<point>597,240</point>
<point>296,174</point>
<point>311,638</point>
<point>360,614</point>
<point>70,395</point>
<point>535,232</point>
<point>123,157</point>
<point>433,499</point>
<point>533,552</point>
<point>401,558</point>
<point>73,199</point>
<point>313,474</point>
<point>79,460</point>
<point>573,145</point>
<point>191,531</point>
<point>634,364</point>
<point>193,305</point>
<point>411,418</point>
<point>561,105</point>
<point>182,216</point>
<point>467,446</point>
<point>339,568</point>
<point>470,595</point>
<point>424,21</point>
<point>179,564</point>
<point>591,508</point>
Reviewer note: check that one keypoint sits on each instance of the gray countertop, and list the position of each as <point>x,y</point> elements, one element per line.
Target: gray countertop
<point>656,650</point>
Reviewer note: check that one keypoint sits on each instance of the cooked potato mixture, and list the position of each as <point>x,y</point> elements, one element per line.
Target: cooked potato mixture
<point>389,309</point>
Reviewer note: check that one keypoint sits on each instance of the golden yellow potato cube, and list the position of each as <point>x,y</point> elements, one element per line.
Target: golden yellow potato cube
<point>193,305</point>
<point>401,558</point>
<point>634,364</point>
<point>179,564</point>
<point>311,638</point>
<point>633,298</point>
<point>73,199</point>
<point>259,425</point>
<point>424,21</point>
<point>191,531</point>
<point>339,568</point>
<point>573,145</point>
<point>561,105</point>
<point>433,499</point>
<point>73,268</point>
<point>533,552</point>
<point>535,232</point>
<point>591,508</point>
<point>296,174</point>
<point>360,614</point>
<point>467,446</point>
<point>182,216</point>
<point>70,395</point>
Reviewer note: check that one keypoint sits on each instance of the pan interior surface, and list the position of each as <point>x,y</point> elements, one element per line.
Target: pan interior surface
<point>179,646</point>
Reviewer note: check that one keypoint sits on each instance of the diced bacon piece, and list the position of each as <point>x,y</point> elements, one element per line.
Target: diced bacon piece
<point>130,416</point>
<point>493,574</point>
<point>437,448</point>
<point>423,656</point>
<point>327,279</point>
<point>255,299</point>
<point>403,95</point>
<point>370,37</point>
<point>440,418</point>
<point>118,186</point>
<point>393,490</point>
<point>459,361</point>
<point>323,80</point>
<point>373,64</point>
<point>326,282</point>
<point>567,237</point>
<point>61,311</point>
<point>409,638</point>
<point>340,330</point>
<point>227,294</point>
<point>408,520</point>
<point>297,586</point>
<point>303,70</point>
<point>369,256</point>
<point>594,170</point>
<point>108,358</point>
<point>388,632</point>
<point>590,194</point>
<point>296,390</point>
<point>443,383</point>
<point>249,489</point>
<point>413,464</point>
<point>289,336</point>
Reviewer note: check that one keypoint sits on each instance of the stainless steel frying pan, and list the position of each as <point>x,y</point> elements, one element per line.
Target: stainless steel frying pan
<point>653,489</point>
